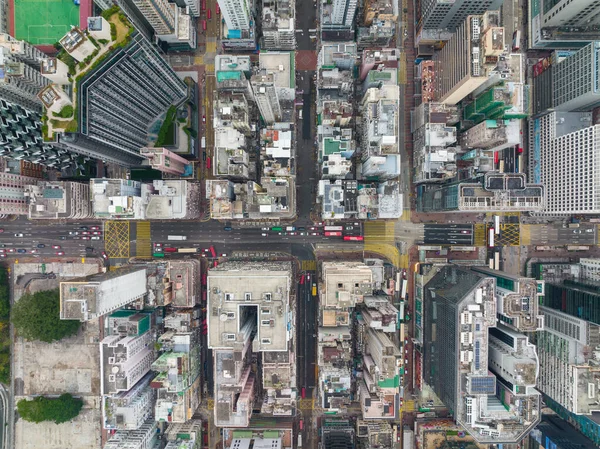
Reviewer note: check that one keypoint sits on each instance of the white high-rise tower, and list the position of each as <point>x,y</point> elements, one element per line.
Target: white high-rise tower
<point>237,14</point>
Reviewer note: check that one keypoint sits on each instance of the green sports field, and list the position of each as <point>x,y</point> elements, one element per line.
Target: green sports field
<point>43,22</point>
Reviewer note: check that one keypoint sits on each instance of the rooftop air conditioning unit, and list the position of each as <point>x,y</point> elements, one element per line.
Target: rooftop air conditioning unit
<point>111,377</point>
<point>111,360</point>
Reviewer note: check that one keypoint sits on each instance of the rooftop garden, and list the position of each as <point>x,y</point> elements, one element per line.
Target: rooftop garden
<point>121,31</point>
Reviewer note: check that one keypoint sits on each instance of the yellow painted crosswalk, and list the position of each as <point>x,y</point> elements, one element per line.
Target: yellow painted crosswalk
<point>116,239</point>
<point>380,239</point>
<point>143,245</point>
<point>309,265</point>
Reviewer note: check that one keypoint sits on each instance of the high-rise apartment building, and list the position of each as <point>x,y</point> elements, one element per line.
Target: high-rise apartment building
<point>146,437</point>
<point>160,14</point>
<point>478,359</point>
<point>118,100</point>
<point>569,13</point>
<point>89,298</point>
<point>576,80</point>
<point>441,14</point>
<point>465,62</point>
<point>265,95</point>
<point>338,15</point>
<point>278,24</point>
<point>165,161</point>
<point>236,13</point>
<point>55,200</point>
<point>20,76</point>
<point>565,158</point>
<point>12,193</point>
<point>21,138</point>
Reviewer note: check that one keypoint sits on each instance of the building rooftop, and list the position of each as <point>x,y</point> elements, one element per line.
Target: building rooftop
<point>91,297</point>
<point>281,65</point>
<point>344,284</point>
<point>249,298</point>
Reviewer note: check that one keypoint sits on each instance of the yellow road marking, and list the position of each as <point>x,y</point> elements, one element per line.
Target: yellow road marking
<point>116,239</point>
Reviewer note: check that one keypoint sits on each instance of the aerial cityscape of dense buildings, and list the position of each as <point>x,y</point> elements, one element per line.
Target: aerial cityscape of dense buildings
<point>328,224</point>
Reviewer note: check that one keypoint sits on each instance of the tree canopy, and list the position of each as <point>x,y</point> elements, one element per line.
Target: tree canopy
<point>59,410</point>
<point>37,317</point>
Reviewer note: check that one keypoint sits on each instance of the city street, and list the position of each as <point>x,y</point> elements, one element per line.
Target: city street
<point>448,234</point>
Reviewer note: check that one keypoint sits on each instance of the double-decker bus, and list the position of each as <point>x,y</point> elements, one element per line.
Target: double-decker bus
<point>333,228</point>
<point>333,234</point>
<point>354,238</point>
<point>213,253</point>
<point>187,250</point>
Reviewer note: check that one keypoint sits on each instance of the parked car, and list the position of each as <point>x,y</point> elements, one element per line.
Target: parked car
<point>104,256</point>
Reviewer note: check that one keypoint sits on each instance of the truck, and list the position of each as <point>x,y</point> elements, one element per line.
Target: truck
<point>203,140</point>
<point>290,228</point>
<point>408,438</point>
<point>177,237</point>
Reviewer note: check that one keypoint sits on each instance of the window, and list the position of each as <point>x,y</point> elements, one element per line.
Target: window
<point>228,296</point>
<point>265,311</point>
<point>340,285</point>
<point>265,322</point>
<point>230,315</point>
<point>268,297</point>
<point>231,337</point>
<point>265,341</point>
<point>247,296</point>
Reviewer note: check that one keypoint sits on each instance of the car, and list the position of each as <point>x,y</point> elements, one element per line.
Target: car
<point>60,253</point>
<point>292,233</point>
<point>73,233</point>
<point>301,228</point>
<point>312,228</point>
<point>62,237</point>
<point>314,233</point>
<point>349,228</point>
<point>158,250</point>
<point>2,255</point>
<point>55,246</point>
<point>97,232</point>
<point>76,237</point>
<point>95,237</point>
<point>576,231</point>
<point>90,249</point>
<point>303,233</point>
<point>227,228</point>
<point>160,244</point>
<point>264,234</point>
<point>18,234</point>
<point>41,245</point>
<point>86,233</point>
<point>224,255</point>
<point>204,119</point>
<point>21,251</point>
<point>95,228</point>
<point>83,228</point>
<point>265,229</point>
<point>11,250</point>
<point>85,237</point>
<point>2,250</point>
<point>1,230</point>
<point>104,256</point>
<point>589,230</point>
<point>168,249</point>
<point>34,251</point>
<point>2,245</point>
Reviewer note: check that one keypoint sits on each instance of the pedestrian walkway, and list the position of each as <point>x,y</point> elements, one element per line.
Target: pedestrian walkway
<point>380,231</point>
<point>309,265</point>
<point>143,245</point>
<point>480,235</point>
<point>526,234</point>
<point>116,239</point>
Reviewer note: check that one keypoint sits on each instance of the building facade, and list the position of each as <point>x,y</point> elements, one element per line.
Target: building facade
<point>440,14</point>
<point>12,193</point>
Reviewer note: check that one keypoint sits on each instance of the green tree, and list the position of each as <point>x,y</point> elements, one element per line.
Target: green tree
<point>37,317</point>
<point>4,295</point>
<point>59,410</point>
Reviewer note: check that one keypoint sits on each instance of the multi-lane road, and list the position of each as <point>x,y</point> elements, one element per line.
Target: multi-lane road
<point>448,234</point>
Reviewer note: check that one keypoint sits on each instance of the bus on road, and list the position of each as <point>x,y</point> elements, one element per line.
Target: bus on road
<point>491,238</point>
<point>333,234</point>
<point>177,237</point>
<point>333,228</point>
<point>187,250</point>
<point>277,228</point>
<point>404,288</point>
<point>158,255</point>
<point>354,238</point>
